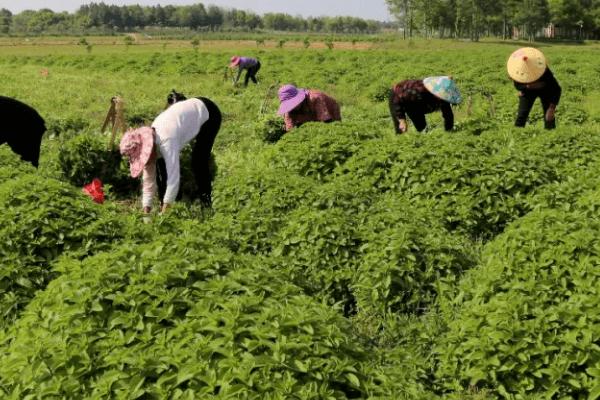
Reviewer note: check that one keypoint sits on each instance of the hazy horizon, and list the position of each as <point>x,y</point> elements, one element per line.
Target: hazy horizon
<point>376,9</point>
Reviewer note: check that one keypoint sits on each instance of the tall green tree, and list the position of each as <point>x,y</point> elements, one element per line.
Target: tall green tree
<point>5,20</point>
<point>574,16</point>
<point>403,10</point>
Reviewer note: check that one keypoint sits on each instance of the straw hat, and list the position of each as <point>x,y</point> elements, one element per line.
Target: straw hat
<point>443,87</point>
<point>137,144</point>
<point>526,65</point>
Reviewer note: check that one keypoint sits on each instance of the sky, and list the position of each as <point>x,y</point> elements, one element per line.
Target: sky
<point>369,9</point>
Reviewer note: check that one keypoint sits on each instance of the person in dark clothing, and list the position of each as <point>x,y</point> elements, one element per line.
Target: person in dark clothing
<point>22,129</point>
<point>415,98</point>
<point>532,78</point>
<point>251,65</point>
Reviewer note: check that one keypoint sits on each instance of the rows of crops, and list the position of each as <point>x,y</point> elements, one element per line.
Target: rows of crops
<point>342,261</point>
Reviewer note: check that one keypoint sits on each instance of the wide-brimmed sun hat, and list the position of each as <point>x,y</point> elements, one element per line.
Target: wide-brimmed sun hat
<point>137,145</point>
<point>235,60</point>
<point>290,97</point>
<point>526,65</point>
<point>443,87</point>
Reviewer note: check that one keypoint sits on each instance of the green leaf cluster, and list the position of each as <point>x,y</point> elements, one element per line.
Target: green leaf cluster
<point>179,318</point>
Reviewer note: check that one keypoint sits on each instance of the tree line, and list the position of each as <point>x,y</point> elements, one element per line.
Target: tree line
<point>102,17</point>
<point>573,19</point>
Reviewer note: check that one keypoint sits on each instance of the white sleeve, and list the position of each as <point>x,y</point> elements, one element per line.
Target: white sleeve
<point>170,152</point>
<point>148,183</point>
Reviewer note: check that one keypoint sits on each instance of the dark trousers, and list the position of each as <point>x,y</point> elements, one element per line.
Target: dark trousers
<point>251,73</point>
<point>526,103</point>
<point>417,117</point>
<point>203,144</point>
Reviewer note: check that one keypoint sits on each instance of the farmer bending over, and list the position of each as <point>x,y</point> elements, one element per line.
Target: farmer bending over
<point>304,105</point>
<point>158,148</point>
<point>22,129</point>
<point>532,78</point>
<point>415,98</point>
<point>251,65</point>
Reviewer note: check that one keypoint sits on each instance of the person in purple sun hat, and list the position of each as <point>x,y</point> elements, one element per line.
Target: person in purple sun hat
<point>305,105</point>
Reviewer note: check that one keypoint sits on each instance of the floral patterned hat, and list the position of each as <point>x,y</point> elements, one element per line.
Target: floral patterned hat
<point>137,145</point>
<point>443,87</point>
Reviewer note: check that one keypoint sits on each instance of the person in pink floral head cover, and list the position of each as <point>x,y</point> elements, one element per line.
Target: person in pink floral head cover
<point>154,151</point>
<point>304,105</point>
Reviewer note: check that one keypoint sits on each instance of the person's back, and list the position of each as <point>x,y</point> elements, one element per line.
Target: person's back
<point>181,121</point>
<point>22,128</point>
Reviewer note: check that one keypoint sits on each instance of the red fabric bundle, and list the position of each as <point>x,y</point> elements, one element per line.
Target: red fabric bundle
<point>95,191</point>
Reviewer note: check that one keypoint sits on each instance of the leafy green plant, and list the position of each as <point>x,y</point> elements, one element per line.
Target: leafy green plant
<point>320,249</point>
<point>270,129</point>
<point>199,322</point>
<point>407,254</point>
<point>522,325</point>
<point>317,149</point>
<point>85,157</point>
<point>12,165</point>
<point>65,127</point>
<point>48,218</point>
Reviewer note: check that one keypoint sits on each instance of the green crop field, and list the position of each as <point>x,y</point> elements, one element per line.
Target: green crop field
<point>340,262</point>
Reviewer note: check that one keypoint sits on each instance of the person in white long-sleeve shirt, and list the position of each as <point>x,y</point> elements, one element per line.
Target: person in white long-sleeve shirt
<point>158,148</point>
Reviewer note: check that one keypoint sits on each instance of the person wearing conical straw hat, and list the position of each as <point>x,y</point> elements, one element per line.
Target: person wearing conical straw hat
<point>305,105</point>
<point>528,69</point>
<point>251,65</point>
<point>416,97</point>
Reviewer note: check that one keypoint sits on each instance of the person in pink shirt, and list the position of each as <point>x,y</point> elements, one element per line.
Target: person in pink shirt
<point>154,151</point>
<point>305,105</point>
